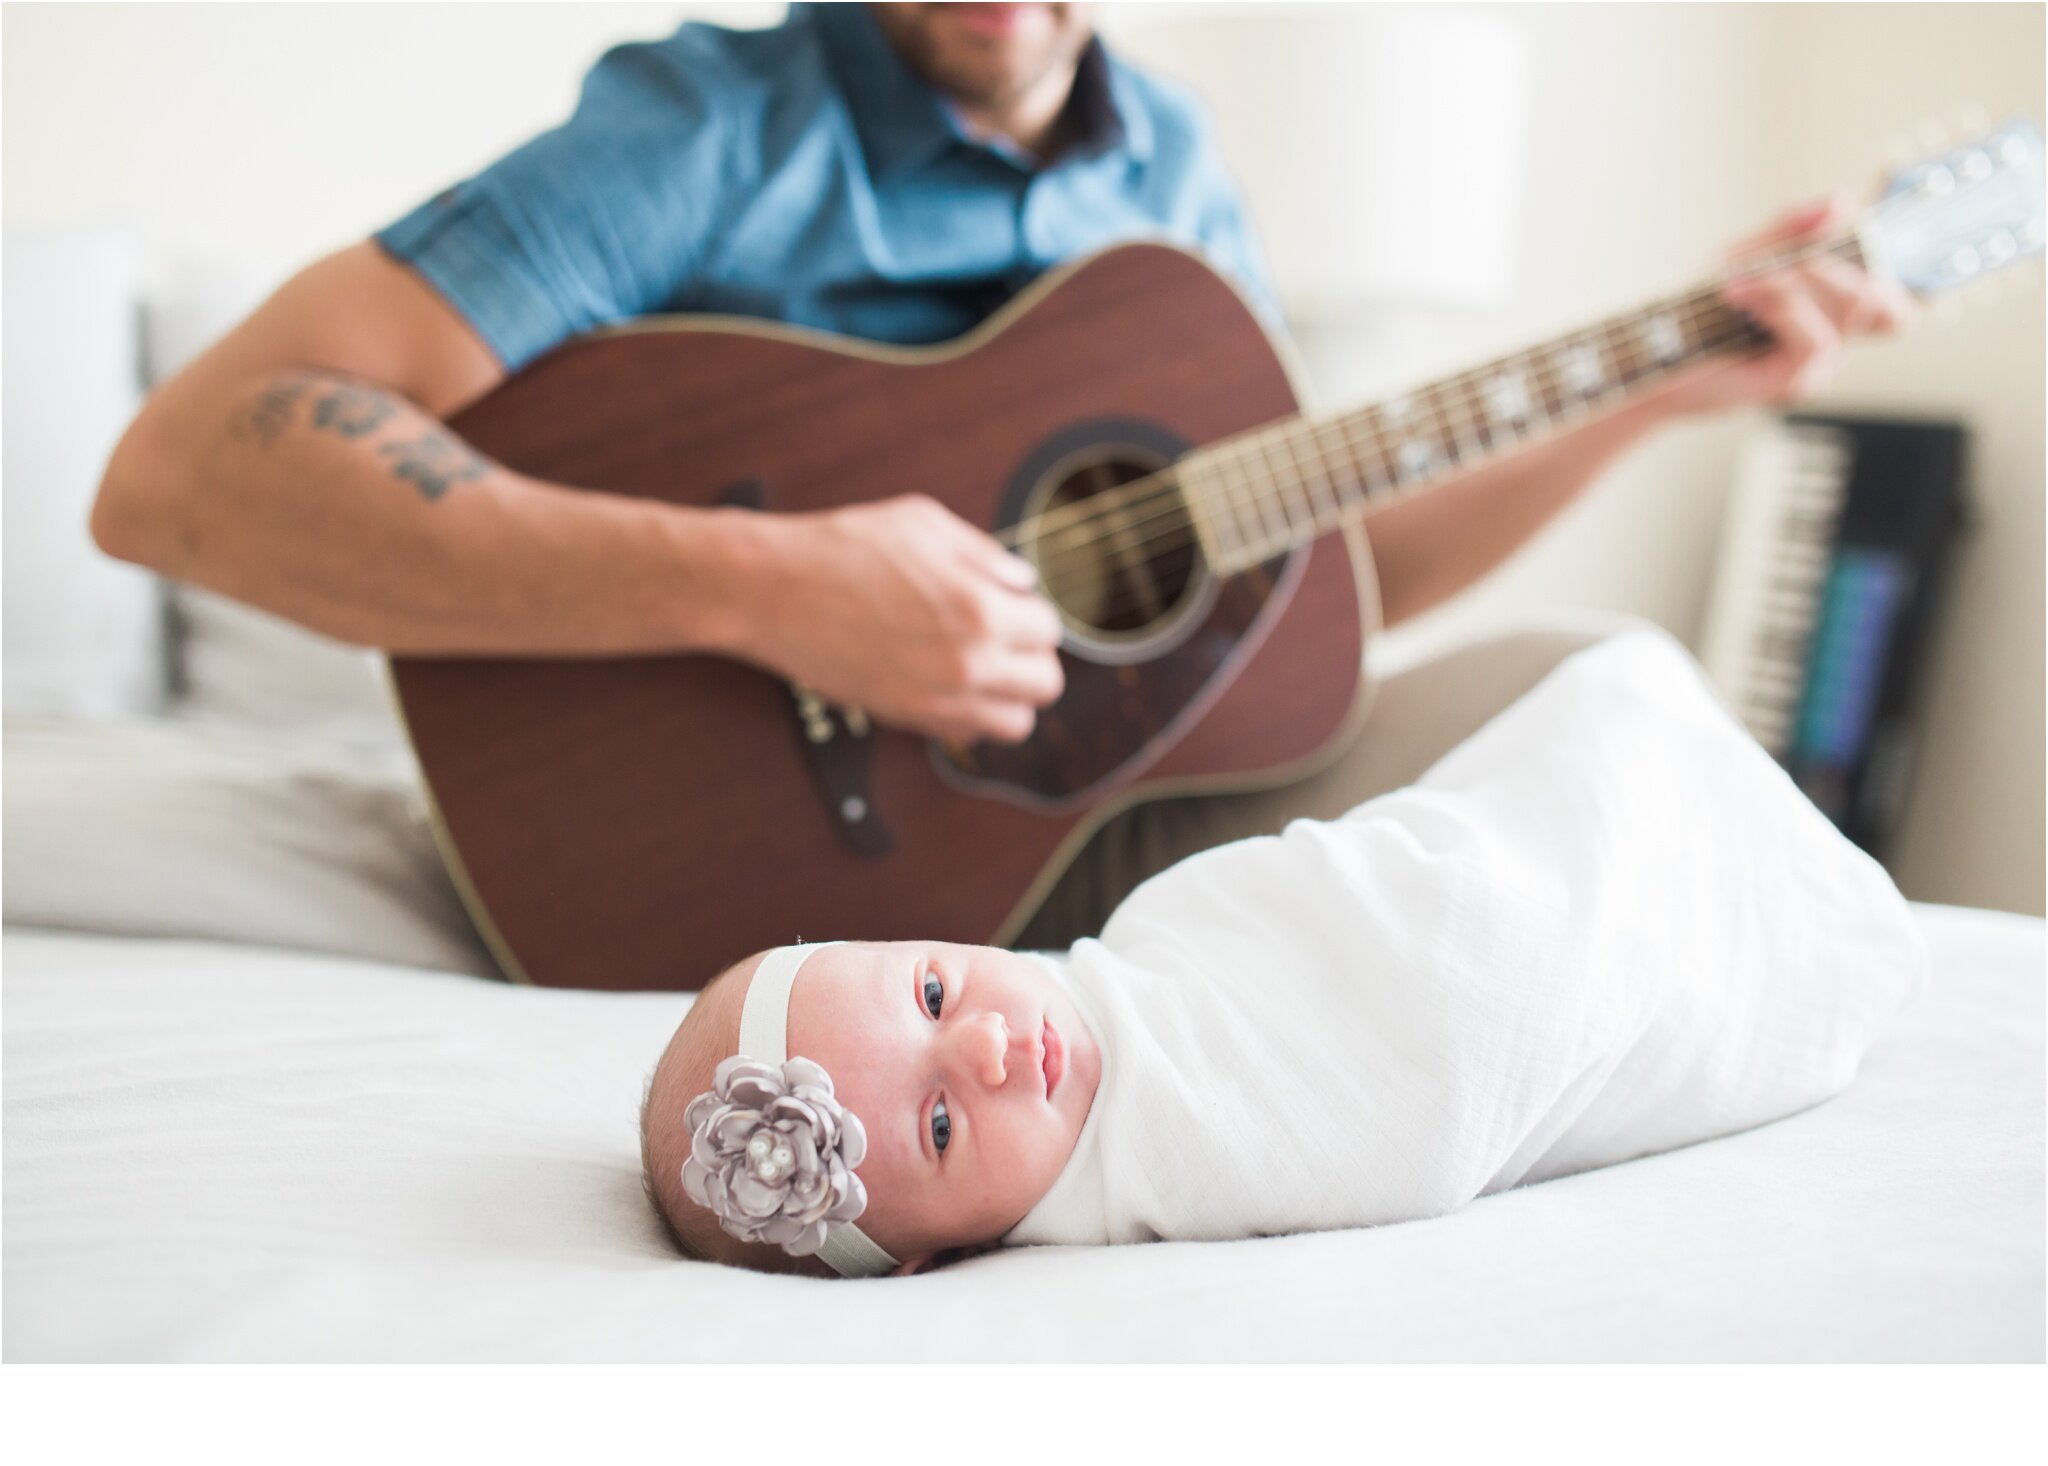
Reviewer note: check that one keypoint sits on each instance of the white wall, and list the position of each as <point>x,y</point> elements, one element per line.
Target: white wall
<point>1655,133</point>
<point>288,129</point>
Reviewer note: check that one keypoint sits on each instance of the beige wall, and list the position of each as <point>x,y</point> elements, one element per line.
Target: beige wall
<point>1655,132</point>
<point>1973,826</point>
<point>291,129</point>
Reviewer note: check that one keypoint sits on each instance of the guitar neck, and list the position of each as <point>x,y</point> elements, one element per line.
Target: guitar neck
<point>1262,493</point>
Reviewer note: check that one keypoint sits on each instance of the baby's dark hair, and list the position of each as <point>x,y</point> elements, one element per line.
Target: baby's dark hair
<point>710,1032</point>
<point>679,1239</point>
<point>707,1035</point>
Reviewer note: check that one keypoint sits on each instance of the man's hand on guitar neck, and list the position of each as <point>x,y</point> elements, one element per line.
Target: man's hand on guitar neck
<point>1812,309</point>
<point>906,611</point>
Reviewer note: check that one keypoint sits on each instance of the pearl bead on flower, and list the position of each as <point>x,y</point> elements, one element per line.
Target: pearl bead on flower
<point>771,1161</point>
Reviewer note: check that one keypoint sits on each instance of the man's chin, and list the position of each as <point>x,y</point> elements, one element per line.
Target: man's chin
<point>982,55</point>
<point>990,78</point>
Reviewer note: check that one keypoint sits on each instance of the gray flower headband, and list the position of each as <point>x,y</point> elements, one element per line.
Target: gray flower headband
<point>772,1150</point>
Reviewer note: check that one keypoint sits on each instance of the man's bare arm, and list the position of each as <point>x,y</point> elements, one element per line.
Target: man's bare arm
<point>301,465</point>
<point>1429,548</point>
<point>297,466</point>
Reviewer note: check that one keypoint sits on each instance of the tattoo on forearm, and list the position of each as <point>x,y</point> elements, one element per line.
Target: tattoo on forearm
<point>351,411</point>
<point>263,417</point>
<point>432,463</point>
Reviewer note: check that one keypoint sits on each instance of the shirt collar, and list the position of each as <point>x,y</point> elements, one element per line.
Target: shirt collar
<point>903,123</point>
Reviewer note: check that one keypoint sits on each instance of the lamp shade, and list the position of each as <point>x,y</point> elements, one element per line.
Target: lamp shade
<point>1379,146</point>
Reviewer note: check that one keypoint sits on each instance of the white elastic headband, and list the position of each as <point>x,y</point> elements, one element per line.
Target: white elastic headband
<point>764,1036</point>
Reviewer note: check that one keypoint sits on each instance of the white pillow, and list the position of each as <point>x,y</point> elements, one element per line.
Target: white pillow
<point>84,633</point>
<point>246,668</point>
<point>153,829</point>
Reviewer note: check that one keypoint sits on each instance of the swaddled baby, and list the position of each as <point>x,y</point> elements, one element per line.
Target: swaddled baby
<point>1604,926</point>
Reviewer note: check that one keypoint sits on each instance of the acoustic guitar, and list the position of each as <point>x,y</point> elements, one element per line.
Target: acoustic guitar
<point>1126,425</point>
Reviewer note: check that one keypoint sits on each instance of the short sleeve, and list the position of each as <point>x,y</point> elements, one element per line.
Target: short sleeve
<point>605,217</point>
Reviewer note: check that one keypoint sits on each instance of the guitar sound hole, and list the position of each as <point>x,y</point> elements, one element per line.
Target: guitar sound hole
<point>1117,554</point>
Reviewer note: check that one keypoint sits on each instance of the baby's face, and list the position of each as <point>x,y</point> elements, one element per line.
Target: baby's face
<point>970,1071</point>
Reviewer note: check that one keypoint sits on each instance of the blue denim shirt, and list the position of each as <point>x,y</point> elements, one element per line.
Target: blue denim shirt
<point>804,174</point>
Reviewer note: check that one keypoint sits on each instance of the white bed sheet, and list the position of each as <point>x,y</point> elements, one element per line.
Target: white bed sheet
<point>226,1152</point>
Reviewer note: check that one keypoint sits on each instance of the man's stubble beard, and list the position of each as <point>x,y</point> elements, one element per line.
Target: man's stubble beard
<point>983,82</point>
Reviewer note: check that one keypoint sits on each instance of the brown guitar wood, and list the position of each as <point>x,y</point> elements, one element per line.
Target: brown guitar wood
<point>640,823</point>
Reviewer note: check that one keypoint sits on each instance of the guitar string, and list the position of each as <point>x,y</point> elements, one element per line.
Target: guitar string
<point>1468,433</point>
<point>1465,425</point>
<point>1061,521</point>
<point>1457,394</point>
<point>1161,541</point>
<point>1462,424</point>
<point>1143,535</point>
<point>1304,453</point>
<point>1691,310</point>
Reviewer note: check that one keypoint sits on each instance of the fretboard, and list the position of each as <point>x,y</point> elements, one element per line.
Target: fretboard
<point>1262,492</point>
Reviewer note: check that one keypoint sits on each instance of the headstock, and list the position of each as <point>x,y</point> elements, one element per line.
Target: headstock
<point>1956,216</point>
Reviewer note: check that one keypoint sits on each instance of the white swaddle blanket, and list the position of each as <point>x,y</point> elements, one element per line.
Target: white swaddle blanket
<point>1606,925</point>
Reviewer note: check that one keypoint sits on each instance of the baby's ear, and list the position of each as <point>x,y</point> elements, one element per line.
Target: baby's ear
<point>916,1265</point>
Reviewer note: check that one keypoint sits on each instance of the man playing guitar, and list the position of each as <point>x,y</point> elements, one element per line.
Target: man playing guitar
<point>892,172</point>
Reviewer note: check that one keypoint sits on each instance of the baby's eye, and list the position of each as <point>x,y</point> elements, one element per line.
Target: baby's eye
<point>942,1126</point>
<point>934,995</point>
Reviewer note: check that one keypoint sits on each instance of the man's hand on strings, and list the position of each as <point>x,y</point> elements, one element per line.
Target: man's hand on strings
<point>905,610</point>
<point>1811,308</point>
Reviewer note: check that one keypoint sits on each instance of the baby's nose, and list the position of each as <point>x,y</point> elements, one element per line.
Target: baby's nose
<point>987,1043</point>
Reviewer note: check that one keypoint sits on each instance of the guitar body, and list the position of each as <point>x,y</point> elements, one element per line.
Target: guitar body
<point>642,822</point>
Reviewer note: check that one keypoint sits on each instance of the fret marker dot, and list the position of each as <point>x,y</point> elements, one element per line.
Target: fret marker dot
<point>1664,338</point>
<point>1582,370</point>
<point>1508,398</point>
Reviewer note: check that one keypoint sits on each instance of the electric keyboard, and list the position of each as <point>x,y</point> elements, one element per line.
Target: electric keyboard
<point>1830,576</point>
